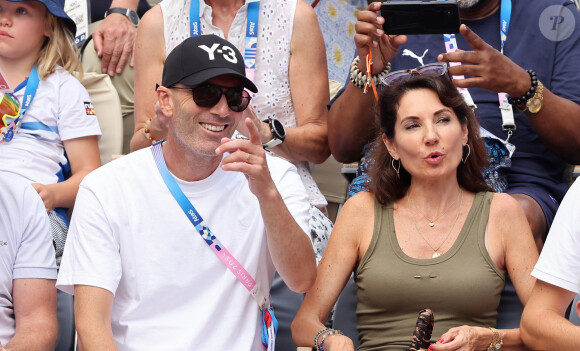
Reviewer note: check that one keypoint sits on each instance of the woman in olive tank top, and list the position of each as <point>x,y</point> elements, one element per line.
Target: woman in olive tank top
<point>429,234</point>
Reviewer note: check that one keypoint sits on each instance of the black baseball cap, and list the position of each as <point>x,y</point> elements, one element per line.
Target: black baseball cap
<point>201,58</point>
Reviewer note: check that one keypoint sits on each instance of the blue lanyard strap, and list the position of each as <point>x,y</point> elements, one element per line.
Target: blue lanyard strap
<point>269,321</point>
<point>31,87</point>
<point>505,16</point>
<point>31,84</point>
<point>251,43</point>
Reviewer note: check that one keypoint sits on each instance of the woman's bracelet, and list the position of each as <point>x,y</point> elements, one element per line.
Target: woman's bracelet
<point>496,340</point>
<point>147,130</point>
<point>318,335</point>
<point>325,333</point>
<point>359,78</point>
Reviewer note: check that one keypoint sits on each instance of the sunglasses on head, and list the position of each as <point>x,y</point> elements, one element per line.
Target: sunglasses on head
<point>9,116</point>
<point>208,95</point>
<point>432,69</point>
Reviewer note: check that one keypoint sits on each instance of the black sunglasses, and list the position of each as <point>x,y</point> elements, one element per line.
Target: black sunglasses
<point>208,95</point>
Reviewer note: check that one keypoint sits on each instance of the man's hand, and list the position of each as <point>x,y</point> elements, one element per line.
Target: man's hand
<point>263,128</point>
<point>369,32</point>
<point>113,39</point>
<point>248,157</point>
<point>490,70</point>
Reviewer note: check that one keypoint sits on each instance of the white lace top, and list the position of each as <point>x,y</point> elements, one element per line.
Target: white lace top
<point>272,59</point>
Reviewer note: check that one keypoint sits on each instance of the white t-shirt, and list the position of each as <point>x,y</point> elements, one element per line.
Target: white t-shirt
<point>128,235</point>
<point>61,110</point>
<point>559,262</point>
<point>26,249</point>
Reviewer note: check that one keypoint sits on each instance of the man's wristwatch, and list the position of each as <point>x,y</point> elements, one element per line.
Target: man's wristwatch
<point>130,14</point>
<point>278,133</point>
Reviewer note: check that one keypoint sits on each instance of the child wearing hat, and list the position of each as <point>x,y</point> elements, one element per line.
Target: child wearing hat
<point>49,129</point>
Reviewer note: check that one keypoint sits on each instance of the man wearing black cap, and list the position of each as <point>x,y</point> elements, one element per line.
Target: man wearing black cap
<point>143,277</point>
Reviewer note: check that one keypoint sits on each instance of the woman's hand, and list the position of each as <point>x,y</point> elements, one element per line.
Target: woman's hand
<point>338,342</point>
<point>464,338</point>
<point>158,126</point>
<point>369,32</point>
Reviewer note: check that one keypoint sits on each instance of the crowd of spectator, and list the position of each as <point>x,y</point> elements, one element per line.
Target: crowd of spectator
<point>463,205</point>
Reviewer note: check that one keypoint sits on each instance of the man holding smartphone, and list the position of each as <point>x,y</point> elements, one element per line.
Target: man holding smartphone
<point>537,35</point>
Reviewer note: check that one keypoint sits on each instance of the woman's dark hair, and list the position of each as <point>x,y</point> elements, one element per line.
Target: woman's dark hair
<point>384,181</point>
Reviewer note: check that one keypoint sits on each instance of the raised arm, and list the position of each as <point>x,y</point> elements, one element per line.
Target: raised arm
<point>351,117</point>
<point>497,73</point>
<point>149,58</point>
<point>289,246</point>
<point>93,308</point>
<point>350,237</point>
<point>35,315</point>
<point>544,326</point>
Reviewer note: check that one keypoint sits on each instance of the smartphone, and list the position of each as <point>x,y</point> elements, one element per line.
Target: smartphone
<point>421,17</point>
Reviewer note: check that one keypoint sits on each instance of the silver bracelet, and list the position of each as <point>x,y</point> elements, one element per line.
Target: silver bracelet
<point>359,78</point>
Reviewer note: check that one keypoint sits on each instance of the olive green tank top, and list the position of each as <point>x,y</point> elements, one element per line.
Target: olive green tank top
<point>461,287</point>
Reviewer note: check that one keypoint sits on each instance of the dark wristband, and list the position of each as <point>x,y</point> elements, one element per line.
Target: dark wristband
<point>524,98</point>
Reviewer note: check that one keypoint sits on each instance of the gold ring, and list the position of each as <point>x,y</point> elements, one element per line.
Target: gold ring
<point>248,158</point>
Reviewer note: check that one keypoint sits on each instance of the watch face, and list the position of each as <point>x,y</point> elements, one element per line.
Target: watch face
<point>134,17</point>
<point>279,128</point>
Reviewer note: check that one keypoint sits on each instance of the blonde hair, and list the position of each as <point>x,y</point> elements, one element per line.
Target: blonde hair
<point>59,49</point>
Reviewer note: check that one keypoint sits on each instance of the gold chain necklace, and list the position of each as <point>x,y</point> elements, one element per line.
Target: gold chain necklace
<point>435,253</point>
<point>432,221</point>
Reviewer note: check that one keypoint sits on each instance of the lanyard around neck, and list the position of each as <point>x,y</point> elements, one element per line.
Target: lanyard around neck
<point>211,240</point>
<point>251,43</point>
<point>504,22</point>
<point>507,114</point>
<point>31,86</point>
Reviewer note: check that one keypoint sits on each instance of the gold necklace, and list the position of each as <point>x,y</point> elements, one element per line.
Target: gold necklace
<point>432,221</point>
<point>435,253</point>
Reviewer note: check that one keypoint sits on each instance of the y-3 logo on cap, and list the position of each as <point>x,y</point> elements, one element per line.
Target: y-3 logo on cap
<point>227,52</point>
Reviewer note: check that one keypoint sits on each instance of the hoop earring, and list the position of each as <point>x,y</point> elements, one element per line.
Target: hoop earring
<point>396,168</point>
<point>468,153</point>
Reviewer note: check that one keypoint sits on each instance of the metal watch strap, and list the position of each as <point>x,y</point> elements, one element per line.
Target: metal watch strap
<point>130,14</point>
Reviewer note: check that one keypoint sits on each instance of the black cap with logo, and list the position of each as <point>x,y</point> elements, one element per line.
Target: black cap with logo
<point>201,58</point>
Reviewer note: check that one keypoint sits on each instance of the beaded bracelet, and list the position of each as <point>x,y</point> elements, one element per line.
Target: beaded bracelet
<point>330,332</point>
<point>318,335</point>
<point>496,340</point>
<point>147,130</point>
<point>359,79</point>
<point>528,95</point>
